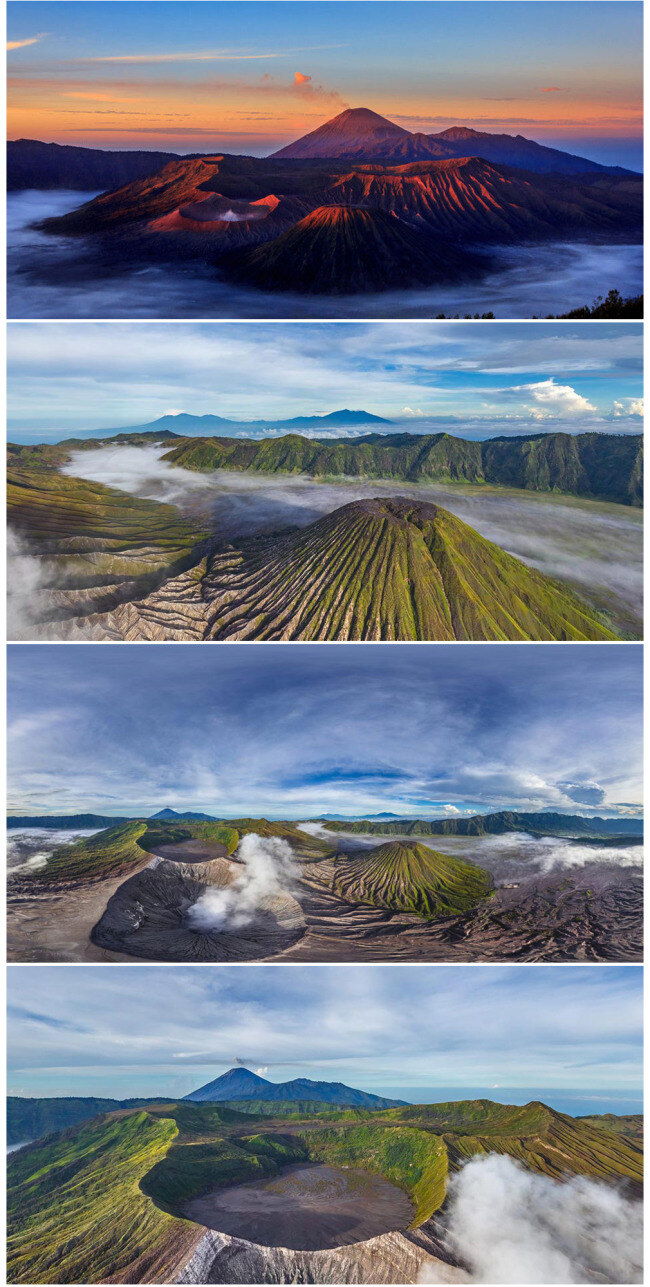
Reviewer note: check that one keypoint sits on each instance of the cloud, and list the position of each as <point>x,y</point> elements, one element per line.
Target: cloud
<point>205,56</point>
<point>300,79</point>
<point>583,792</point>
<point>552,399</point>
<point>551,89</point>
<point>22,44</point>
<point>628,407</point>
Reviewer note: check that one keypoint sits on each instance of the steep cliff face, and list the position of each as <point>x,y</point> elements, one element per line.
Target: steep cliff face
<point>390,1258</point>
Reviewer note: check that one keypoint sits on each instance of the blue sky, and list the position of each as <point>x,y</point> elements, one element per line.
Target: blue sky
<point>293,731</point>
<point>251,77</point>
<point>418,1032</point>
<point>473,379</point>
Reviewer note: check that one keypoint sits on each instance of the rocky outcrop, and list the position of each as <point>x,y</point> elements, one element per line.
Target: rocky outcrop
<point>390,1258</point>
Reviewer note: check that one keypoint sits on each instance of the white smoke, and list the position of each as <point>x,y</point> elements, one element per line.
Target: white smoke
<point>268,870</point>
<point>26,582</point>
<point>509,1225</point>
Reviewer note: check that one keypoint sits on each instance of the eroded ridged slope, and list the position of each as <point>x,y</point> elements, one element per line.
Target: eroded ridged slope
<point>374,569</point>
<point>408,877</point>
<point>342,249</point>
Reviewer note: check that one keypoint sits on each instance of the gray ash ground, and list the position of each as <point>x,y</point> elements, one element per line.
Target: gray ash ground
<point>309,1207</point>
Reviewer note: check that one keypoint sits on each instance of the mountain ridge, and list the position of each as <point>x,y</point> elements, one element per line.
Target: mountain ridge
<point>362,134</point>
<point>240,1083</point>
<point>495,824</point>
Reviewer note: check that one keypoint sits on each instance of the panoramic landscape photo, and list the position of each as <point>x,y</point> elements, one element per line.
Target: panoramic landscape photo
<point>325,481</point>
<point>357,1125</point>
<point>279,159</point>
<point>274,803</point>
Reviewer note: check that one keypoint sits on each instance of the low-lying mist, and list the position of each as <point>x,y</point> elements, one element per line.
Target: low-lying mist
<point>268,870</point>
<point>513,858</point>
<point>509,1225</point>
<point>28,848</point>
<point>597,548</point>
<point>76,277</point>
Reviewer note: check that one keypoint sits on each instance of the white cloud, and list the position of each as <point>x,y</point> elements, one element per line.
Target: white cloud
<point>22,44</point>
<point>551,399</point>
<point>628,407</point>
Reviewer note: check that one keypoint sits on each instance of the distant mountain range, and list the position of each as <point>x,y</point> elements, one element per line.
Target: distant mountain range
<point>359,134</point>
<point>187,425</point>
<point>548,824</point>
<point>170,815</point>
<point>241,1083</point>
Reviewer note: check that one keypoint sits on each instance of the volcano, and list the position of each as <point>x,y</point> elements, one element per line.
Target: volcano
<point>374,569</point>
<point>241,1083</point>
<point>405,876</point>
<point>359,134</point>
<point>349,249</point>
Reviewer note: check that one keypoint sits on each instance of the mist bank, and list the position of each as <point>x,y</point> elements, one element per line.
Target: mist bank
<point>508,1225</point>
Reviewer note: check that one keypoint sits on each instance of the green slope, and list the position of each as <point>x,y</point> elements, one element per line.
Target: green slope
<point>99,545</point>
<point>383,570</point>
<point>408,877</point>
<point>607,466</point>
<point>102,1201</point>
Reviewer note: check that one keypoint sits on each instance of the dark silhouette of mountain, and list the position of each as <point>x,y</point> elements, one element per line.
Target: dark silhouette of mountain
<point>241,1083</point>
<point>362,135</point>
<point>607,466</point>
<point>32,164</point>
<point>170,815</point>
<point>496,824</point>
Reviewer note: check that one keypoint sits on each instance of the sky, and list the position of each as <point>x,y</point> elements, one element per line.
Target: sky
<point>471,378</point>
<point>251,77</point>
<point>420,1033</point>
<point>294,731</point>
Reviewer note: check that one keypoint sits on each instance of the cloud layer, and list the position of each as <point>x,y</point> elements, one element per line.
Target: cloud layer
<point>148,1029</point>
<point>290,732</point>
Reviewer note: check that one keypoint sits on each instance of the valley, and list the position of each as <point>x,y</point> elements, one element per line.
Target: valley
<point>155,535</point>
<point>386,210</point>
<point>249,889</point>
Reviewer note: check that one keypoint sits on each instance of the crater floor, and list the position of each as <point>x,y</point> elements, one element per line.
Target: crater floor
<point>310,1207</point>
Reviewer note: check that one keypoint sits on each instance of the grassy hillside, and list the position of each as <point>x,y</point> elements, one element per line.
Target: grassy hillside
<point>408,877</point>
<point>31,1119</point>
<point>103,1200</point>
<point>119,850</point>
<point>607,466</point>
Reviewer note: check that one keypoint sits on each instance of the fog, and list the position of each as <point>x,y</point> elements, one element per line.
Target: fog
<point>510,859</point>
<point>509,1225</point>
<point>28,848</point>
<point>71,277</point>
<point>268,870</point>
<point>595,547</point>
<point>27,579</point>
